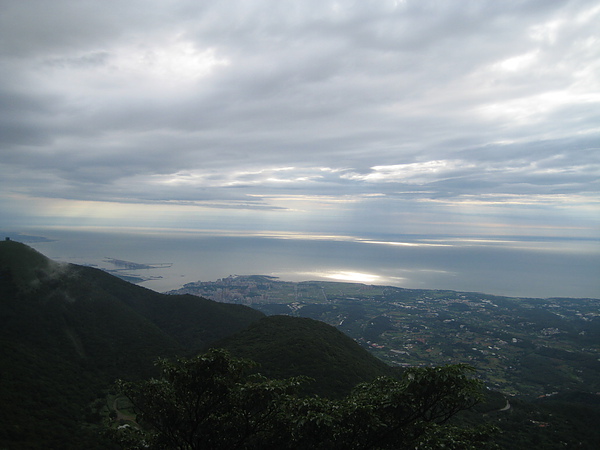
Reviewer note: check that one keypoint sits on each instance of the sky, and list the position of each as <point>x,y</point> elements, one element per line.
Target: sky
<point>474,119</point>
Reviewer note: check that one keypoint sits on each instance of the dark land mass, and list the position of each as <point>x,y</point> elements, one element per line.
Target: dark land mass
<point>67,332</point>
<point>539,357</point>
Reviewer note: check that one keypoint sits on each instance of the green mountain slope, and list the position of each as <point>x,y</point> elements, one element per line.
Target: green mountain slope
<point>67,331</point>
<point>289,346</point>
<point>194,322</point>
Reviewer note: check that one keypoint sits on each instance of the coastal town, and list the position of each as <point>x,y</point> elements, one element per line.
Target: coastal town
<point>519,346</point>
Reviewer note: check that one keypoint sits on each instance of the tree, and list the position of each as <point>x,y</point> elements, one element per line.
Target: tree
<point>213,401</point>
<point>389,413</point>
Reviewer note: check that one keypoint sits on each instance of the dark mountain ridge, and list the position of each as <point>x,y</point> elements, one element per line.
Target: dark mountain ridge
<point>67,332</point>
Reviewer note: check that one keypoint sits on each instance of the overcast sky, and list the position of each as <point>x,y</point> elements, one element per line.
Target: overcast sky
<point>443,117</point>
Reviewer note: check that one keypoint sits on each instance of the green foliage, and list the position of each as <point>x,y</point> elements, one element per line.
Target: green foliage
<point>214,401</point>
<point>210,401</point>
<point>391,413</point>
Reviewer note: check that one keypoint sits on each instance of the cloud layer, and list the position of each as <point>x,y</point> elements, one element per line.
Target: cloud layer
<point>367,116</point>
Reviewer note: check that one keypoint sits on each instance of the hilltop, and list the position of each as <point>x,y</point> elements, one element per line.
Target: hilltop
<point>286,346</point>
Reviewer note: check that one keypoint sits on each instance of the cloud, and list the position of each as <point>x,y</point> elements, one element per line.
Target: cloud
<point>317,111</point>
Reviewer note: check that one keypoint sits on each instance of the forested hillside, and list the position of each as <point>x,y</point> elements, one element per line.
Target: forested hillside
<point>68,332</point>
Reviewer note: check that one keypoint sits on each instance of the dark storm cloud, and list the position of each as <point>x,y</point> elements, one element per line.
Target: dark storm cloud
<point>271,105</point>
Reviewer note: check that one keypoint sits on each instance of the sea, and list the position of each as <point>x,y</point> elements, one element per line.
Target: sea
<point>167,259</point>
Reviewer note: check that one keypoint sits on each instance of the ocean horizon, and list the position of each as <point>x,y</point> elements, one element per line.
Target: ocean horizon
<point>517,266</point>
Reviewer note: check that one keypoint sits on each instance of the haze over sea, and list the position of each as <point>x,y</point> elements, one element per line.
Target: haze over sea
<point>511,266</point>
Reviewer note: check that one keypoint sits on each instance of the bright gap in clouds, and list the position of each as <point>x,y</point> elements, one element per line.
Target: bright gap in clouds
<point>173,62</point>
<point>146,69</point>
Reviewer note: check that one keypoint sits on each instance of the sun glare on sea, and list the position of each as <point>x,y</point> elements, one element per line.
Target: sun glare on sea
<point>357,277</point>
